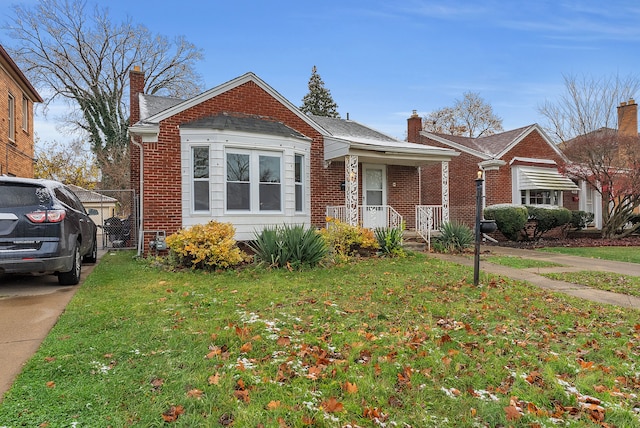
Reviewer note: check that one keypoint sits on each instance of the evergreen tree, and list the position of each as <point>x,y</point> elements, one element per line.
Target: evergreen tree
<point>318,101</point>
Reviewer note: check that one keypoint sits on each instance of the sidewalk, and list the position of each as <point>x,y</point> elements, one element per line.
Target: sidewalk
<point>569,264</point>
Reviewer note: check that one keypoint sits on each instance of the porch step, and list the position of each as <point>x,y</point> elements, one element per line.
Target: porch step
<point>412,241</point>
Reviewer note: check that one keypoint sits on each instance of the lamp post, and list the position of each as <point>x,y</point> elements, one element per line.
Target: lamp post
<point>476,257</point>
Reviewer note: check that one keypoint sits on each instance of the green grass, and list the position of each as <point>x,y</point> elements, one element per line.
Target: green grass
<point>620,253</point>
<point>609,281</point>
<point>520,262</point>
<point>382,342</point>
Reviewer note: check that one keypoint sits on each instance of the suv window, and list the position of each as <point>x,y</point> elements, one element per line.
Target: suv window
<point>24,195</point>
<point>69,198</point>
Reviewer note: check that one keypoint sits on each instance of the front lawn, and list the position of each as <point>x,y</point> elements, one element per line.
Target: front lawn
<point>379,343</point>
<point>616,253</point>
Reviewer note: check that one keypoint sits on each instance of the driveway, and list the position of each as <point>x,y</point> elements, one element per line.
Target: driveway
<point>29,308</point>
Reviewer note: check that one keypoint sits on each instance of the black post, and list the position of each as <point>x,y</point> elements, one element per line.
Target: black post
<point>476,258</point>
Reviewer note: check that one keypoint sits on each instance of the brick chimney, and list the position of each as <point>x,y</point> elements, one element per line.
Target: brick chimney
<point>628,118</point>
<point>136,86</point>
<point>414,126</point>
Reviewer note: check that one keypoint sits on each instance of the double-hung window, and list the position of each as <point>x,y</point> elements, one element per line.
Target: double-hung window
<point>299,191</point>
<point>12,117</point>
<point>25,114</point>
<point>254,181</point>
<point>540,197</point>
<point>200,165</point>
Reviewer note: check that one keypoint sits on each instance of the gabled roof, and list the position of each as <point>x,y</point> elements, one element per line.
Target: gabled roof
<point>348,137</point>
<point>149,126</point>
<point>16,74</point>
<point>90,196</point>
<point>492,146</point>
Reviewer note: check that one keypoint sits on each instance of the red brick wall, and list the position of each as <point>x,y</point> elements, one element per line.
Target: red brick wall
<point>404,196</point>
<point>463,173</point>
<point>162,174</point>
<point>16,157</point>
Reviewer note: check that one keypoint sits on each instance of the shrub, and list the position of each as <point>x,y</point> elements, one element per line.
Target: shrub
<point>545,218</point>
<point>205,246</point>
<point>390,241</point>
<point>580,219</point>
<point>346,241</point>
<point>289,246</point>
<point>455,237</point>
<point>510,219</point>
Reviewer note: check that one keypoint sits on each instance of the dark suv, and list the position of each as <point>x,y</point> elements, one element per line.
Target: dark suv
<point>44,229</point>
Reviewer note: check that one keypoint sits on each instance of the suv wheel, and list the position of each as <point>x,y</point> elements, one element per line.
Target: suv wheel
<point>92,257</point>
<point>73,276</point>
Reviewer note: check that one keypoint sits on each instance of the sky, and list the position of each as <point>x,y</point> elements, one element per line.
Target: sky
<point>382,59</point>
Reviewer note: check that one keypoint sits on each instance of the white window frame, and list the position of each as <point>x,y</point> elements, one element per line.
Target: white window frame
<point>527,197</point>
<point>254,183</point>
<point>25,114</point>
<point>299,184</point>
<point>11,114</point>
<point>195,180</point>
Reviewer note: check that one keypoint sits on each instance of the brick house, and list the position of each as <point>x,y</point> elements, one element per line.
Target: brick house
<point>591,199</point>
<point>242,153</point>
<point>520,166</point>
<point>16,119</point>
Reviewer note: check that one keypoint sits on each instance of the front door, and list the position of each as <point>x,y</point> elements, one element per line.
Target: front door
<point>374,196</point>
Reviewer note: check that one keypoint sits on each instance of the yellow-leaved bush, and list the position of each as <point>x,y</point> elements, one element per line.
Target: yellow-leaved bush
<point>346,241</point>
<point>206,246</point>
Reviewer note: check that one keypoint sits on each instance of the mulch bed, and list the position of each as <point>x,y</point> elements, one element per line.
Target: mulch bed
<point>588,240</point>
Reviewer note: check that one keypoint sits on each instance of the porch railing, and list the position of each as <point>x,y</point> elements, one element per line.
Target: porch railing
<point>428,220</point>
<point>369,216</point>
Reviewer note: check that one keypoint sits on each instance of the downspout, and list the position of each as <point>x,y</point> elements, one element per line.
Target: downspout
<point>140,228</point>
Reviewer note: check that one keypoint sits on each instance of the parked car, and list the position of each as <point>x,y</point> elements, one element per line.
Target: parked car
<point>44,229</point>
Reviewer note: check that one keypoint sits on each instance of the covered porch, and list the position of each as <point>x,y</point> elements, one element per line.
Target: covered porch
<point>382,180</point>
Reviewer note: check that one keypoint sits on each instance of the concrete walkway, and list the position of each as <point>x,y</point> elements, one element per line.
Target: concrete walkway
<point>569,264</point>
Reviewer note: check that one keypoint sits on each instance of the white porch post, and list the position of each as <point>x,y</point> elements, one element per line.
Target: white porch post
<point>351,188</point>
<point>445,191</point>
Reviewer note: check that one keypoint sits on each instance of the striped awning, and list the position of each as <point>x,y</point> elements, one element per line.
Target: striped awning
<point>544,179</point>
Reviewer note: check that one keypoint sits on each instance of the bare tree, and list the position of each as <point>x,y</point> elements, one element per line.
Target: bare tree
<point>610,163</point>
<point>81,56</point>
<point>587,105</point>
<point>584,121</point>
<point>471,117</point>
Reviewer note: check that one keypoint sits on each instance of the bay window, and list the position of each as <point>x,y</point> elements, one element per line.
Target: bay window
<point>253,181</point>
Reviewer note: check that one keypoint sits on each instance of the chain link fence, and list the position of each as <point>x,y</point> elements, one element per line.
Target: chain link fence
<point>117,217</point>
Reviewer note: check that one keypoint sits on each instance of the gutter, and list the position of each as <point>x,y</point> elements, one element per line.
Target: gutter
<point>141,222</point>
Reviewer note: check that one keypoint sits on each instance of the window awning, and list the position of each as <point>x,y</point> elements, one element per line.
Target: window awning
<point>544,179</point>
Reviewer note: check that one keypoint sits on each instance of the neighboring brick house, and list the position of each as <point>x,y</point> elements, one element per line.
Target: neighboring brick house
<point>520,167</point>
<point>16,119</point>
<point>242,153</point>
<point>591,198</point>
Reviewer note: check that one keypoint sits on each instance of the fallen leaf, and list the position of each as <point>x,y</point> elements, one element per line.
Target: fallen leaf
<point>246,347</point>
<point>512,413</point>
<point>51,384</point>
<point>273,404</point>
<point>172,414</point>
<point>214,379</point>
<point>195,393</point>
<point>332,406</point>
<point>283,341</point>
<point>350,388</point>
